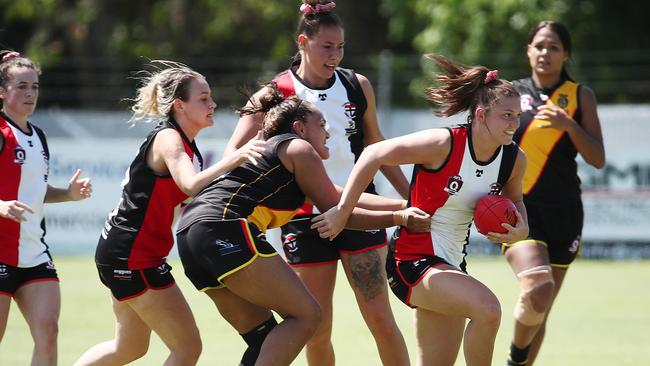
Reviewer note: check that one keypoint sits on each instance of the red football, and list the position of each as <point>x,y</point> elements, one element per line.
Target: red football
<point>491,211</point>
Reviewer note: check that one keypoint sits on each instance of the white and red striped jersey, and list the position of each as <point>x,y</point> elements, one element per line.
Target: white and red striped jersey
<point>449,194</point>
<point>343,105</point>
<point>24,167</point>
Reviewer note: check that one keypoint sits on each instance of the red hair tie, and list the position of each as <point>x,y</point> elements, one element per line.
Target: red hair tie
<point>491,76</point>
<point>318,8</point>
<point>10,55</point>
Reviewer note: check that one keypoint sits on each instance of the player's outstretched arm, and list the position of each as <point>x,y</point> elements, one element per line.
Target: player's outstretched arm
<point>78,189</point>
<point>168,148</point>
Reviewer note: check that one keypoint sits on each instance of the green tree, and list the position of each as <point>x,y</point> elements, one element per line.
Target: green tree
<point>87,47</point>
<point>610,50</point>
<point>93,43</point>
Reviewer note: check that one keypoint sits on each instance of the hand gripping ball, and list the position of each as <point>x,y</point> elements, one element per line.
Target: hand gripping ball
<point>491,211</point>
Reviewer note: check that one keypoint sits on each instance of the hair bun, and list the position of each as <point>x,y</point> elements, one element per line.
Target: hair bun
<point>491,76</point>
<point>307,9</point>
<point>10,56</point>
<point>271,99</point>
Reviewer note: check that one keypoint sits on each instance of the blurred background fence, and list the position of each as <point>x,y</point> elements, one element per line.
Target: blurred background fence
<point>398,79</point>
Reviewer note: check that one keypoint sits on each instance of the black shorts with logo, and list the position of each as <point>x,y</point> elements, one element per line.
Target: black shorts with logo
<point>404,275</point>
<point>559,227</point>
<point>127,283</point>
<point>12,278</point>
<point>303,246</point>
<point>212,250</point>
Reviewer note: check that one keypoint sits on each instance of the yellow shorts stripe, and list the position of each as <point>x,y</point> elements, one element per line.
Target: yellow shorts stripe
<point>505,246</point>
<point>220,278</point>
<point>211,288</point>
<point>251,242</point>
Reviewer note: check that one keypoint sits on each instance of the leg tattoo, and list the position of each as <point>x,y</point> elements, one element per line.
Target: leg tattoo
<point>367,275</point>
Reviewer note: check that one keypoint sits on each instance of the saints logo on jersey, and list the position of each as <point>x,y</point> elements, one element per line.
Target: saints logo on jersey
<point>495,188</point>
<point>350,110</point>
<point>290,243</point>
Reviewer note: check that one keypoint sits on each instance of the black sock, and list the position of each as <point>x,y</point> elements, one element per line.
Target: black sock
<point>518,356</point>
<point>254,340</point>
<point>250,357</point>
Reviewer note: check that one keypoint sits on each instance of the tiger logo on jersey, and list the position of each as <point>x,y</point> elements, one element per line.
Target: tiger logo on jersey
<point>526,102</point>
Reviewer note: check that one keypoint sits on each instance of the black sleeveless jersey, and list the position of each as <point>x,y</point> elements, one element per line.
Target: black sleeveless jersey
<point>552,173</point>
<point>138,233</point>
<point>266,194</point>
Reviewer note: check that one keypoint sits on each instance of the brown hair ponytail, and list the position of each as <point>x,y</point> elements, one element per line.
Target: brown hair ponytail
<point>463,88</point>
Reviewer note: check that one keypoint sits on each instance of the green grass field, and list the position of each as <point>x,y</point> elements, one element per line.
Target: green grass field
<point>601,318</point>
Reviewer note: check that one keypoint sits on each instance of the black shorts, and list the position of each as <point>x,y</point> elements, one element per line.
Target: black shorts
<point>559,227</point>
<point>404,275</point>
<point>12,278</point>
<point>212,250</point>
<point>127,283</point>
<point>303,246</point>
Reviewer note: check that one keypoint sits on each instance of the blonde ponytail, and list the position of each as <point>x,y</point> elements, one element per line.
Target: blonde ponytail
<point>154,99</point>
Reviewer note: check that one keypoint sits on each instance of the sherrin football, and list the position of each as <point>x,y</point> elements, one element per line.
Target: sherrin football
<point>491,211</point>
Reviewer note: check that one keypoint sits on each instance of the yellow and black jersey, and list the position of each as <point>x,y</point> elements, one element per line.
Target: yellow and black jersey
<point>265,194</point>
<point>551,176</point>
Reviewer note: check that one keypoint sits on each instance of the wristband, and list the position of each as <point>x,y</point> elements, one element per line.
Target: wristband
<point>400,218</point>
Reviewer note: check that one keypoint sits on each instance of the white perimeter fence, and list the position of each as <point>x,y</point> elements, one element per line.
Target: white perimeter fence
<point>616,198</point>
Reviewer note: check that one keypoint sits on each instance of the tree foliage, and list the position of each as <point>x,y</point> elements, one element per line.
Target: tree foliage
<point>609,42</point>
<point>76,39</point>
